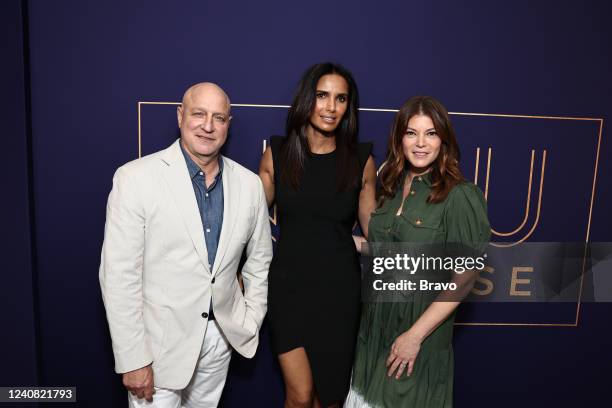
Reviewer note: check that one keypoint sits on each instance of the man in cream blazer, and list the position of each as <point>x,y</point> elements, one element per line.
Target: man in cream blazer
<point>177,224</point>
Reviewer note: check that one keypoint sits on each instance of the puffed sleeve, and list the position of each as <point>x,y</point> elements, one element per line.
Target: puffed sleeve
<point>465,218</point>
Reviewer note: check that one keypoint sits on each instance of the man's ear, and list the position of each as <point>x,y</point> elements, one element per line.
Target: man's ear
<point>179,115</point>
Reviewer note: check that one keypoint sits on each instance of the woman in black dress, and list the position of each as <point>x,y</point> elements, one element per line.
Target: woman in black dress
<point>322,181</point>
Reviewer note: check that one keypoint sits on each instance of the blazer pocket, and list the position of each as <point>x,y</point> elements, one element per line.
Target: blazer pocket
<point>238,307</point>
<point>250,326</point>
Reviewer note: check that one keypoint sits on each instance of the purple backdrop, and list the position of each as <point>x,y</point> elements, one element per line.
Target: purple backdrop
<point>87,66</point>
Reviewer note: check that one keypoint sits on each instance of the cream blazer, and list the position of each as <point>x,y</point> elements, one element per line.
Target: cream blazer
<point>154,274</point>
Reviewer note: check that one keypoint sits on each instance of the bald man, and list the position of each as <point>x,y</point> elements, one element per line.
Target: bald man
<point>177,224</point>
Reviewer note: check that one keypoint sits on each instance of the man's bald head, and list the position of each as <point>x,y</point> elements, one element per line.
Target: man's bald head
<point>203,119</point>
<point>208,89</point>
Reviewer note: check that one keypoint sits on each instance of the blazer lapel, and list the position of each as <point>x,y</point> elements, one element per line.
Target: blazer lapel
<point>178,181</point>
<point>231,200</point>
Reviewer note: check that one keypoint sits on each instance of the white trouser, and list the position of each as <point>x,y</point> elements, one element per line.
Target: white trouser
<point>204,389</point>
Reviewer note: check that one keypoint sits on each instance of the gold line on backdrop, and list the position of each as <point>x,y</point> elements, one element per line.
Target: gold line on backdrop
<point>537,218</point>
<point>499,115</point>
<point>527,204</point>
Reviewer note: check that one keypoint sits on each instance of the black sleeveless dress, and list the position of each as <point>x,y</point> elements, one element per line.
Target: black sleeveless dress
<point>314,281</point>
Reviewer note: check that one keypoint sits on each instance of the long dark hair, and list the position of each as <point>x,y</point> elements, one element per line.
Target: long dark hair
<point>445,173</point>
<point>295,147</point>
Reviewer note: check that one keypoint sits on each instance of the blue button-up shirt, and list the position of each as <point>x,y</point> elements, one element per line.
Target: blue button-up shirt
<point>210,203</point>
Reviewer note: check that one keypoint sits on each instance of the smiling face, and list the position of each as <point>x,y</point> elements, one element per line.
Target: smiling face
<point>330,104</point>
<point>203,119</point>
<point>421,143</point>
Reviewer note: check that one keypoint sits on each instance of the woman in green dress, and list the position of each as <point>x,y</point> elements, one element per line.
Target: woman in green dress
<point>404,354</point>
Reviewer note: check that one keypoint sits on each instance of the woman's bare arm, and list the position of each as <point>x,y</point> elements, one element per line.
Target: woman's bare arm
<point>266,174</point>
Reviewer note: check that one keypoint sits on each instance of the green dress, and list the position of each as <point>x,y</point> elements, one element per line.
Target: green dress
<point>461,218</point>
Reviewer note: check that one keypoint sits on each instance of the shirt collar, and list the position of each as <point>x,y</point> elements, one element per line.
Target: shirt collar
<point>425,178</point>
<point>193,168</point>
